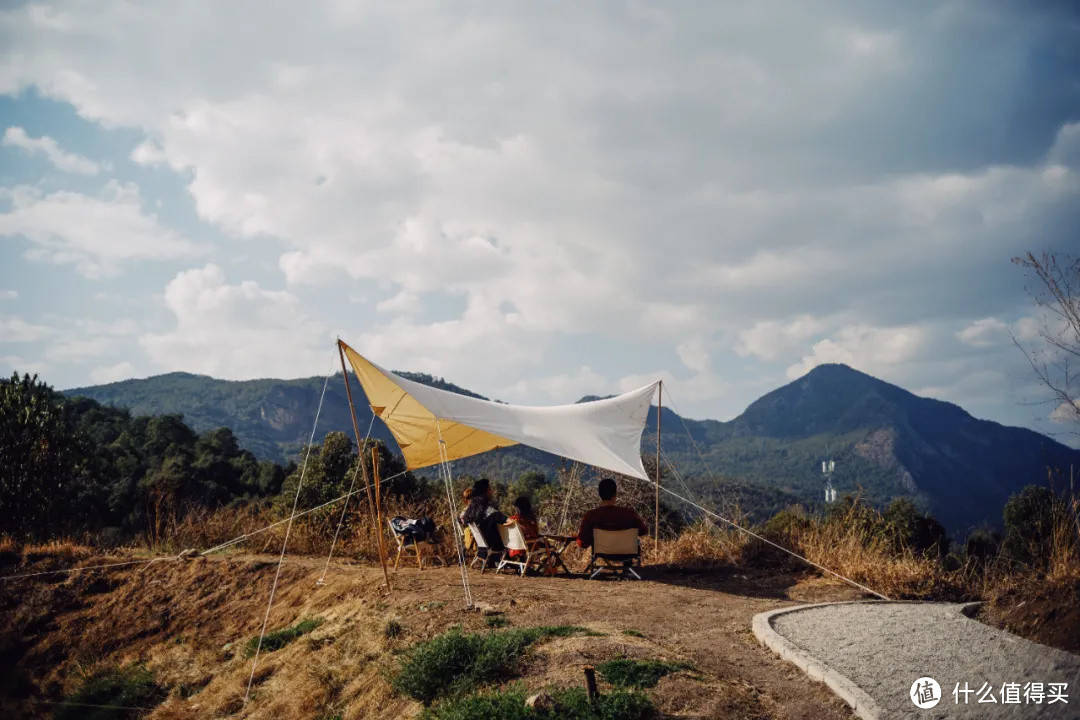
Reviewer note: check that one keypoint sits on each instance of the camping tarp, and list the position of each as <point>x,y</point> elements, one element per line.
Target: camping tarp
<point>604,433</point>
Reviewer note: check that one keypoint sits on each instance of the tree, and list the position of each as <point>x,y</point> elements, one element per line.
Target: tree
<point>1053,346</point>
<point>910,528</point>
<point>1029,524</point>
<point>325,476</point>
<point>38,457</point>
<point>528,483</point>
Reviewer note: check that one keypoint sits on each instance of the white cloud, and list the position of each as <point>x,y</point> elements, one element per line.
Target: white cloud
<point>870,349</point>
<point>1066,413</point>
<point>14,329</point>
<point>99,235</point>
<point>79,349</point>
<point>457,348</point>
<point>148,153</point>
<point>1028,329</point>
<point>404,303</point>
<point>237,331</point>
<point>693,355</point>
<point>805,182</point>
<point>684,395</point>
<point>13,363</point>
<point>769,339</point>
<point>114,328</point>
<point>558,389</point>
<point>984,333</point>
<point>112,373</point>
<point>45,145</point>
<point>9,294</point>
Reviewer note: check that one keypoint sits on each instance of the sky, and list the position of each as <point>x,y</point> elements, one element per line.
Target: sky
<point>538,201</point>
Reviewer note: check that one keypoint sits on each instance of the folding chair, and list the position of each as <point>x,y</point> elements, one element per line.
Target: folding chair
<point>405,541</point>
<point>514,539</point>
<point>615,551</point>
<point>481,544</point>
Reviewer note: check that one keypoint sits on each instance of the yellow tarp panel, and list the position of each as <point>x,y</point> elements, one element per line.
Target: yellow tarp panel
<point>414,427</point>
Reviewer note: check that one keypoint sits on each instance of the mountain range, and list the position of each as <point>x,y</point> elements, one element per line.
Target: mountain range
<point>886,441</point>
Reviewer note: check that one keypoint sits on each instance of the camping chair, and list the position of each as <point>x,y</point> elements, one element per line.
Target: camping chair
<point>616,551</point>
<point>405,540</point>
<point>514,539</point>
<point>481,544</point>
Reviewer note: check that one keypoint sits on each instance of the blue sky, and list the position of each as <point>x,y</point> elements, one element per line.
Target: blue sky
<point>538,202</point>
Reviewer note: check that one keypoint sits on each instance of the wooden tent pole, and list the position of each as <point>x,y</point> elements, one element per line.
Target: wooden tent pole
<point>360,458</point>
<point>378,512</point>
<point>659,406</point>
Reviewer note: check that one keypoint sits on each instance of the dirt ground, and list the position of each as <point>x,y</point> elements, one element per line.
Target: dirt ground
<point>1041,612</point>
<point>187,619</point>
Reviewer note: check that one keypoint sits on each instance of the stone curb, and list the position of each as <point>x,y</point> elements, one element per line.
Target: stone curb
<point>861,703</point>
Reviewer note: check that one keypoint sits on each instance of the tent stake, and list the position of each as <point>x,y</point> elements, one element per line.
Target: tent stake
<point>659,406</point>
<point>360,459</point>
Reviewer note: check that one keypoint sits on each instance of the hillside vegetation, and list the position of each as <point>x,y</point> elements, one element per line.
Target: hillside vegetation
<point>886,441</point>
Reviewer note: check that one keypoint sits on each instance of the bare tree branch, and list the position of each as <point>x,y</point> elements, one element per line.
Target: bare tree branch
<point>1053,356</point>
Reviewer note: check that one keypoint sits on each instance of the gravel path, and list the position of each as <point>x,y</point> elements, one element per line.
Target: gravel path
<point>884,647</point>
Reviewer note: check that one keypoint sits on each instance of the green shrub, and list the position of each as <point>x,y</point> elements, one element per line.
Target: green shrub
<point>393,629</point>
<point>497,621</point>
<point>633,633</point>
<point>455,663</point>
<point>570,703</point>
<point>280,638</point>
<point>638,673</point>
<point>128,687</point>
<point>906,527</point>
<point>782,526</point>
<point>982,546</point>
<point>1029,525</point>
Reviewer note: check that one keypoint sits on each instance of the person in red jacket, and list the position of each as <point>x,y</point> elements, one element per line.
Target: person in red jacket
<point>608,516</point>
<point>526,520</point>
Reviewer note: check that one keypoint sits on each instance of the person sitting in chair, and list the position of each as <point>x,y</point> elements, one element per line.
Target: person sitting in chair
<point>484,516</point>
<point>608,516</point>
<point>526,520</point>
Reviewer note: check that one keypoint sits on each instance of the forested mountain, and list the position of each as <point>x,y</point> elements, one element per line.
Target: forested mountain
<point>886,441</point>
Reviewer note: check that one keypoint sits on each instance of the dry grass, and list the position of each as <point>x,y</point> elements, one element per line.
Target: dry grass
<point>848,547</point>
<point>1063,564</point>
<point>51,555</point>
<point>853,545</point>
<point>311,534</point>
<point>850,544</point>
<point>702,546</point>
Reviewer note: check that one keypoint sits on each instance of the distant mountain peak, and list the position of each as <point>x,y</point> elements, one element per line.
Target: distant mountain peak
<point>833,372</point>
<point>592,398</point>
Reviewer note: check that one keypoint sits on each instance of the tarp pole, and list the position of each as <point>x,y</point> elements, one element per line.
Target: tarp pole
<point>360,458</point>
<point>378,512</point>
<point>659,406</point>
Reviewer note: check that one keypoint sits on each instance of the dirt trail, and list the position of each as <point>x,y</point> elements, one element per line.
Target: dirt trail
<point>180,618</point>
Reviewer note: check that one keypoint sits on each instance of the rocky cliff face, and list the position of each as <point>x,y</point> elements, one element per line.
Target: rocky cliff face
<point>878,447</point>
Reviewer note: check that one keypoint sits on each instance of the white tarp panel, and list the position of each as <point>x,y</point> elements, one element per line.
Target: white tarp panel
<point>604,433</point>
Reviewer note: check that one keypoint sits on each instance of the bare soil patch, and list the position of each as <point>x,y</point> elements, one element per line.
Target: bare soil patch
<point>1046,613</point>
